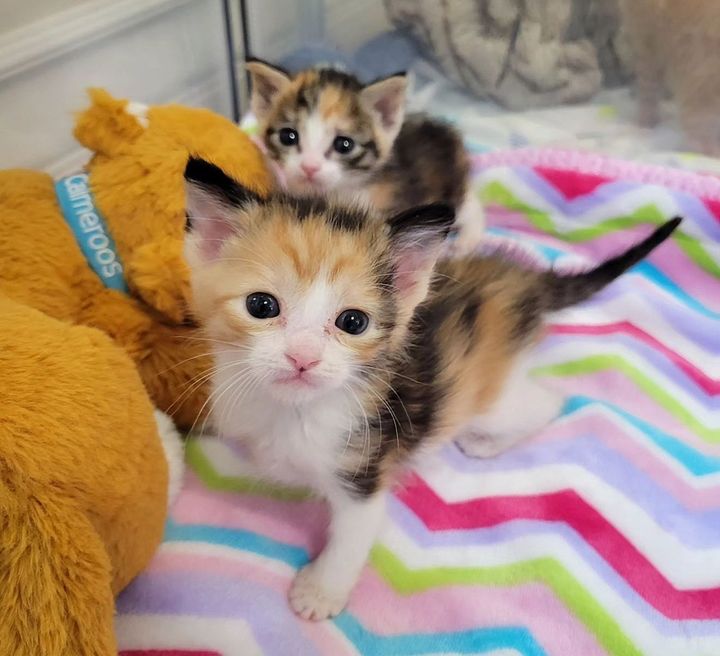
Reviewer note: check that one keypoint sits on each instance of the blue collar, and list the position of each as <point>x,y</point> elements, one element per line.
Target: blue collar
<point>87,224</point>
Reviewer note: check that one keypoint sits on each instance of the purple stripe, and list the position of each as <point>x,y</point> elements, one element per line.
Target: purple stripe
<point>209,595</point>
<point>659,361</point>
<point>695,528</point>
<point>576,206</point>
<point>691,325</point>
<point>672,261</point>
<point>692,208</point>
<point>500,535</point>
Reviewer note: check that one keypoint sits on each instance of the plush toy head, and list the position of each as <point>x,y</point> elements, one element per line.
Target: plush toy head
<point>136,176</point>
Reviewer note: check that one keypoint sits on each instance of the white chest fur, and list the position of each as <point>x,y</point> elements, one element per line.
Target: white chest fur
<point>295,445</point>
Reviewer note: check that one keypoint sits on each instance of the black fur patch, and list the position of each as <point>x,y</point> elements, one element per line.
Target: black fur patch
<point>528,313</point>
<point>469,314</point>
<point>331,76</point>
<point>427,164</point>
<point>412,395</point>
<point>214,180</point>
<point>339,217</point>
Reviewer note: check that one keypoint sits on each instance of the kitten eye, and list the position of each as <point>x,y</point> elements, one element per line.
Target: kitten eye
<point>288,137</point>
<point>343,145</point>
<point>353,322</point>
<point>262,306</point>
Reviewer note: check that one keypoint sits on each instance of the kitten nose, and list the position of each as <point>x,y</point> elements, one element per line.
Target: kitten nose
<point>302,362</point>
<point>310,169</point>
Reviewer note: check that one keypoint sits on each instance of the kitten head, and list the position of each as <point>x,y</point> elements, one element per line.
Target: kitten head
<point>305,296</point>
<point>323,127</point>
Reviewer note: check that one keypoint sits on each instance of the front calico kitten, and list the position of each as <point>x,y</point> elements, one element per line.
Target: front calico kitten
<point>326,132</point>
<point>340,353</point>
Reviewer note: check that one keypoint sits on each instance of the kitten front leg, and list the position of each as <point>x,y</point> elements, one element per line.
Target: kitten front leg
<point>321,589</point>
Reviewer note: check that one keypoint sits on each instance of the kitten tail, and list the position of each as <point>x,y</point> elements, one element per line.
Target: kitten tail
<point>561,291</point>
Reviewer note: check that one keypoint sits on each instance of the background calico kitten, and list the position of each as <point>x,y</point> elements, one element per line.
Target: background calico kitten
<point>325,131</point>
<point>339,353</point>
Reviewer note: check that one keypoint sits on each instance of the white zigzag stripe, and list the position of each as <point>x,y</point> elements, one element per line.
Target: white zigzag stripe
<point>230,637</point>
<point>517,550</point>
<point>635,309</point>
<point>685,567</point>
<point>703,484</point>
<point>567,350</point>
<point>617,205</point>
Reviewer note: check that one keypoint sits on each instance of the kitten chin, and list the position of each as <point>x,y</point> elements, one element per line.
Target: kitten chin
<point>407,352</point>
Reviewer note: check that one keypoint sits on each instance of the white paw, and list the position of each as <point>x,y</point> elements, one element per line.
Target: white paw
<point>173,447</point>
<point>312,600</point>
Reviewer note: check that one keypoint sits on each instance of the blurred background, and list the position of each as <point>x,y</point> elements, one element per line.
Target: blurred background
<point>510,73</point>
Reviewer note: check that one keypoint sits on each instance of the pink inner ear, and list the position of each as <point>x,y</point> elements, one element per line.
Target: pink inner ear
<point>212,233</point>
<point>412,266</point>
<point>388,107</point>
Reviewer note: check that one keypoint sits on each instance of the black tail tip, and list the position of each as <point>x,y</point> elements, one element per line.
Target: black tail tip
<point>674,223</point>
<point>665,230</point>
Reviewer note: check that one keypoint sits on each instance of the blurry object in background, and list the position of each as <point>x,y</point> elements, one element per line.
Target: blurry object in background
<point>678,43</point>
<point>383,55</point>
<point>388,53</point>
<point>319,55</point>
<point>520,54</point>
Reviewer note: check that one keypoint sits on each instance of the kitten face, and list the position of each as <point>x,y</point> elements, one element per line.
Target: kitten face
<point>322,127</point>
<point>304,298</point>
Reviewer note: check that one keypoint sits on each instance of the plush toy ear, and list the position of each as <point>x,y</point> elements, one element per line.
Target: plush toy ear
<point>214,205</point>
<point>386,100</point>
<point>109,123</point>
<point>268,82</point>
<point>416,237</point>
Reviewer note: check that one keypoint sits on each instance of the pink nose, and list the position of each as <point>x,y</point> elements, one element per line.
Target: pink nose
<point>309,169</point>
<point>302,362</point>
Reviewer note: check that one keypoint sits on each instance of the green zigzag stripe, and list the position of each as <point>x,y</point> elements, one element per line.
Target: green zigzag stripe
<point>201,465</point>
<point>497,193</point>
<point>595,363</point>
<point>405,581</point>
<point>544,570</point>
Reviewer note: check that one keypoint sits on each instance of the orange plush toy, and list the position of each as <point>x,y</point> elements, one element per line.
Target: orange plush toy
<point>85,470</point>
<point>103,247</point>
<point>95,342</point>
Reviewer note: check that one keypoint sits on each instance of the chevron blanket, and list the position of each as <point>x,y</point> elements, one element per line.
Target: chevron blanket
<point>601,535</point>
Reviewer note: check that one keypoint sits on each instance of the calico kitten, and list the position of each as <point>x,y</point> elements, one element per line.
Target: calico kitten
<point>325,131</point>
<point>677,42</point>
<point>342,349</point>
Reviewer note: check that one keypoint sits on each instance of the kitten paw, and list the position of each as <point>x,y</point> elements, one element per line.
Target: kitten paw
<point>311,600</point>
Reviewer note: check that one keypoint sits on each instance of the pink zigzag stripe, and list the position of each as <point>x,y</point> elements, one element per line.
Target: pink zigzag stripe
<point>611,385</point>
<point>703,185</point>
<point>376,605</point>
<point>672,261</point>
<point>597,423</point>
<point>709,385</point>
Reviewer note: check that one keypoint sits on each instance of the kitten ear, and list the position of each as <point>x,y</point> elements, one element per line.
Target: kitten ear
<point>214,204</point>
<point>417,236</point>
<point>386,99</point>
<point>268,82</point>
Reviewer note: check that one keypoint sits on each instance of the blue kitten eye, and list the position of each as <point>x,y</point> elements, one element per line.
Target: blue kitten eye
<point>262,306</point>
<point>343,145</point>
<point>288,137</point>
<point>353,322</point>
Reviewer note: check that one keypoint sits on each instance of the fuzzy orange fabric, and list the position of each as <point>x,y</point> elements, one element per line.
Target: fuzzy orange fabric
<point>83,484</point>
<point>136,176</point>
<point>83,474</point>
